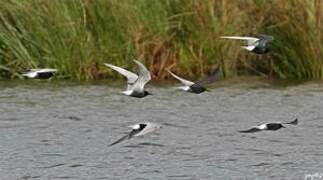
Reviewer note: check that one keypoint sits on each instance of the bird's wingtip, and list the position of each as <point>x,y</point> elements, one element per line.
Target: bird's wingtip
<point>137,61</point>
<point>108,65</point>
<point>140,64</point>
<point>170,72</point>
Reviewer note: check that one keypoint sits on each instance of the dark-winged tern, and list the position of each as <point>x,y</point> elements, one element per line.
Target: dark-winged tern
<point>139,129</point>
<point>269,127</point>
<point>258,45</point>
<point>39,73</point>
<point>198,86</point>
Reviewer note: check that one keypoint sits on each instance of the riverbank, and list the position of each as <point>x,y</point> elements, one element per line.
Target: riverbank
<point>241,82</point>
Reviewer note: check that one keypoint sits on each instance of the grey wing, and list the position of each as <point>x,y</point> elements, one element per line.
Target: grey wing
<point>143,77</point>
<point>215,75</point>
<point>46,70</point>
<point>182,80</point>
<point>251,40</point>
<point>120,140</point>
<point>131,77</point>
<point>143,72</point>
<point>252,130</point>
<point>128,136</point>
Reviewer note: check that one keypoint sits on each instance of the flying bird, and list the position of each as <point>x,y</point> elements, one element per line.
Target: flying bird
<point>258,45</point>
<point>198,86</point>
<point>269,127</point>
<point>139,130</point>
<point>39,73</point>
<point>135,83</point>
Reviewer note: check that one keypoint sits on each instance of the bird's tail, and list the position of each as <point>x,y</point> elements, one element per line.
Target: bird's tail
<point>294,122</point>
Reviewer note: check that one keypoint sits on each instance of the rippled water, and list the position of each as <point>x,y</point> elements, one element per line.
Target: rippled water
<point>57,130</point>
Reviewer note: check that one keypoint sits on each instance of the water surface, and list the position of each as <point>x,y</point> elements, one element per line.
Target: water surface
<point>61,130</point>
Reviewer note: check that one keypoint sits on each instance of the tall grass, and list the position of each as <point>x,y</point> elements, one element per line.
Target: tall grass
<point>78,36</point>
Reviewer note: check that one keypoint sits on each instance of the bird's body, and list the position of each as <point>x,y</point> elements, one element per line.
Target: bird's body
<point>258,45</point>
<point>139,130</point>
<point>136,94</point>
<point>262,127</point>
<point>268,127</point>
<point>135,83</point>
<point>197,87</point>
<point>39,73</point>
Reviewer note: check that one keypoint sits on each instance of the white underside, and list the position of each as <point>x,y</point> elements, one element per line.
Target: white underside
<point>30,74</point>
<point>128,92</point>
<point>249,48</point>
<point>136,126</point>
<point>184,88</point>
<point>251,40</point>
<point>262,126</point>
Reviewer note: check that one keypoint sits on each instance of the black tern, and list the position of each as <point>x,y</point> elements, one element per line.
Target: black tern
<point>39,73</point>
<point>258,45</point>
<point>198,86</point>
<point>135,83</point>
<point>269,127</point>
<point>139,130</point>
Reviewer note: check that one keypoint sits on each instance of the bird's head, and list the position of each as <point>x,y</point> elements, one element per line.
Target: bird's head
<point>266,37</point>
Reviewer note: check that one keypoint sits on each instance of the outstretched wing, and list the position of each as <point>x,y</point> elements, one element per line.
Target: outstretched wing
<point>46,70</point>
<point>131,77</point>
<point>143,77</point>
<point>215,75</point>
<point>183,81</point>
<point>138,130</point>
<point>120,140</point>
<point>252,130</point>
<point>128,136</point>
<point>251,40</point>
<point>29,74</point>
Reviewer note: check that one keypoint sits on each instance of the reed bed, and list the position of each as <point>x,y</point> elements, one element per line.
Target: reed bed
<point>78,36</point>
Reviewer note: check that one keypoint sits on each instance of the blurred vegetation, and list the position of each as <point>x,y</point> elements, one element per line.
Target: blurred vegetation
<point>78,36</point>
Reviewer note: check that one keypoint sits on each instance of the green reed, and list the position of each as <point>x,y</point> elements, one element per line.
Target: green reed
<point>78,36</point>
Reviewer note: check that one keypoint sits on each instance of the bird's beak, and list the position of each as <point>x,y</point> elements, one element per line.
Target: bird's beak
<point>283,127</point>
